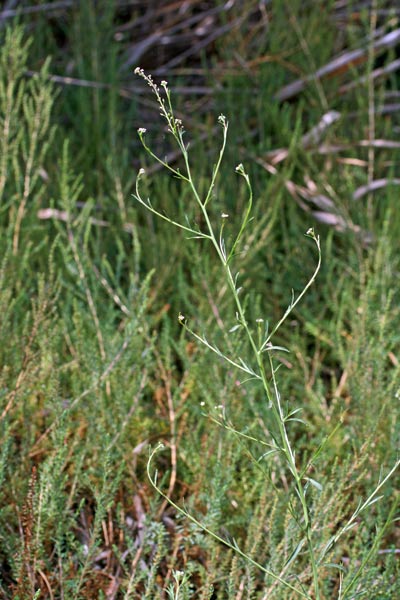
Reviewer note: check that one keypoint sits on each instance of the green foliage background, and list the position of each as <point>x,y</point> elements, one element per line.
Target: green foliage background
<point>95,368</point>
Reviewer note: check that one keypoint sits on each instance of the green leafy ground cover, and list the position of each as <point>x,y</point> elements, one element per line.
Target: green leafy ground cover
<point>97,370</point>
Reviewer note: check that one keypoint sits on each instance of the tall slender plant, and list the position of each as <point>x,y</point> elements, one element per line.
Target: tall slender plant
<point>262,367</point>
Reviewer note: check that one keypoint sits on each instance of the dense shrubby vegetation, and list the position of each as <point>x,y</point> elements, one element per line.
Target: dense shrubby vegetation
<point>96,368</point>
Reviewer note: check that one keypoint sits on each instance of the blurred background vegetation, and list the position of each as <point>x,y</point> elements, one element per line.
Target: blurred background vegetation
<point>94,366</point>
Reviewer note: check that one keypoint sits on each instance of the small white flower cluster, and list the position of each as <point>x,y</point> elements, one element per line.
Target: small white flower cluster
<point>175,126</point>
<point>240,169</point>
<point>147,78</point>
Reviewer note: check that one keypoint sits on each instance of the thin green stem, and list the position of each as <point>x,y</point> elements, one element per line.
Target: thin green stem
<point>291,460</point>
<point>153,481</point>
<point>224,123</point>
<point>137,196</point>
<point>258,347</point>
<point>240,170</point>
<point>175,172</point>
<point>374,547</point>
<point>310,233</point>
<point>276,406</point>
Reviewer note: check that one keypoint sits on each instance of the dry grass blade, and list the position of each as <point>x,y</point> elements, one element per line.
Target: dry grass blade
<point>8,8</point>
<point>312,137</point>
<point>306,197</point>
<point>62,215</point>
<point>197,48</point>
<point>35,9</point>
<point>340,64</point>
<point>175,32</point>
<point>392,67</point>
<point>375,185</point>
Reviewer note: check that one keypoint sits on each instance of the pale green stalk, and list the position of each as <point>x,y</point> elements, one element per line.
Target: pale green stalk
<point>153,481</point>
<point>259,346</point>
<point>176,129</point>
